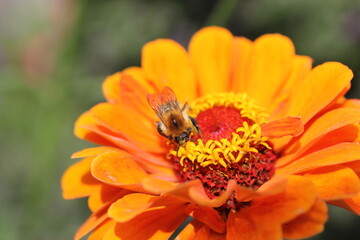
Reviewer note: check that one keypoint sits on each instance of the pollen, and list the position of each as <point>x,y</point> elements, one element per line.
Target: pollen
<point>229,146</point>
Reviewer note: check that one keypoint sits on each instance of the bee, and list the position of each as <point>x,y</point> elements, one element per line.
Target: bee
<point>175,124</point>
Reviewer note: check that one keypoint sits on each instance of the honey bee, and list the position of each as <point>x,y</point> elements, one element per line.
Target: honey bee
<point>175,123</point>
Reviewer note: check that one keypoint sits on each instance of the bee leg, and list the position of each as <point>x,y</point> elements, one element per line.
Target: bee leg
<point>160,129</point>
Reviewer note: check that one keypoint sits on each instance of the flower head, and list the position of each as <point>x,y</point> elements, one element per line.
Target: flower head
<point>254,144</point>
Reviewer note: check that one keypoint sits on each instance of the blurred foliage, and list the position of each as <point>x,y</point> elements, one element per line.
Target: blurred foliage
<point>54,55</point>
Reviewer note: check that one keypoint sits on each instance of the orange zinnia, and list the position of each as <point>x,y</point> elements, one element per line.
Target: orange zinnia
<point>278,142</point>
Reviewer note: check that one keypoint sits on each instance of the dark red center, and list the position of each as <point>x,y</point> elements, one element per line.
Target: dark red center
<point>220,122</point>
<point>253,170</point>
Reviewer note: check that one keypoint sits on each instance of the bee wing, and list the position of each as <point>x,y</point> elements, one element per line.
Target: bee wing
<point>163,102</point>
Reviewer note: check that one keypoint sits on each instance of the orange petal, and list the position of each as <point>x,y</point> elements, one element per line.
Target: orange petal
<point>181,190</point>
<point>138,75</point>
<point>118,169</point>
<point>307,224</point>
<point>153,225</point>
<point>322,86</point>
<point>150,162</point>
<point>352,103</point>
<point>355,166</point>
<point>134,92</point>
<point>274,186</point>
<point>105,195</point>
<point>130,206</point>
<point>242,228</point>
<point>326,123</point>
<point>334,182</point>
<point>92,222</point>
<point>189,232</point>
<point>301,68</point>
<point>77,181</point>
<point>211,50</point>
<point>193,191</point>
<point>338,154</point>
<point>81,130</point>
<point>264,217</point>
<point>157,186</point>
<point>283,127</point>
<point>92,152</point>
<point>198,195</point>
<point>348,133</point>
<point>167,63</point>
<point>209,216</point>
<point>269,66</point>
<point>129,123</point>
<point>297,199</point>
<point>242,53</point>
<point>111,88</point>
<point>205,233</point>
<point>199,231</point>
<point>100,231</point>
<point>351,204</point>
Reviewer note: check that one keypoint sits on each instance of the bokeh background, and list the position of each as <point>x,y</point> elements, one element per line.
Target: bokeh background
<point>54,55</point>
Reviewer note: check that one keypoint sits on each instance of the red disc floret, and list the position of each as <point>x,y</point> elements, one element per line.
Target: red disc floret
<point>220,122</point>
<point>253,169</point>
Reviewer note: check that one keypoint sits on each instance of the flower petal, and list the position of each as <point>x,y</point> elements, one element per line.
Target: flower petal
<point>189,232</point>
<point>130,124</point>
<point>167,64</point>
<point>338,154</point>
<point>117,169</point>
<point>307,224</point>
<point>83,132</point>
<point>351,103</point>
<point>129,206</point>
<point>93,221</point>
<point>157,186</point>
<point>322,86</point>
<point>269,66</point>
<point>242,53</point>
<point>105,195</point>
<point>134,91</point>
<point>298,198</point>
<point>209,216</point>
<point>132,205</point>
<point>334,182</point>
<point>92,152</point>
<point>100,231</point>
<point>274,186</point>
<point>199,231</point>
<point>148,161</point>
<point>326,123</point>
<point>191,191</point>
<point>242,228</point>
<point>153,225</point>
<point>211,50</point>
<point>301,68</point>
<point>77,181</point>
<point>283,127</point>
<point>351,204</point>
<point>198,195</point>
<point>111,88</point>
<point>264,218</point>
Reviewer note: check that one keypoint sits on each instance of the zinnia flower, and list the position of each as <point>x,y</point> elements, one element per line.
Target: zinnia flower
<point>279,141</point>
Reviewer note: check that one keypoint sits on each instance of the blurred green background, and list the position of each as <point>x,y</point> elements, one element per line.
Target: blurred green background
<point>54,55</point>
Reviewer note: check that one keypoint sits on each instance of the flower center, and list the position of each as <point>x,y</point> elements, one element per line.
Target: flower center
<point>230,146</point>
